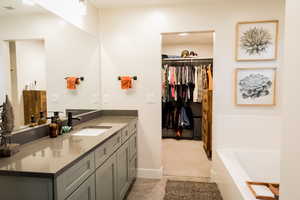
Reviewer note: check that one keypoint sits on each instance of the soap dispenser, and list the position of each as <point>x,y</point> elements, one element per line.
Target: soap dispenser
<point>59,122</point>
<point>33,122</point>
<point>53,128</point>
<point>42,119</point>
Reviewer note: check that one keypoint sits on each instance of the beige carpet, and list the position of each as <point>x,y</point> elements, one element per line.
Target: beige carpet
<point>185,158</point>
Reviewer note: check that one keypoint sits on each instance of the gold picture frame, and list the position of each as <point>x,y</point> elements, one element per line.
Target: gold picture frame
<point>267,51</point>
<point>261,90</point>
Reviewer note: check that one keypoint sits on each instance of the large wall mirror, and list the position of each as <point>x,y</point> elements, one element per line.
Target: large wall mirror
<point>40,55</point>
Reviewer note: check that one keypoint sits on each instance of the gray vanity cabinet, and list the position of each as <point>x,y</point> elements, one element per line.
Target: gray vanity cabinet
<point>105,173</point>
<point>123,170</point>
<point>71,179</point>
<point>132,157</point>
<point>86,191</point>
<point>132,169</point>
<point>106,180</point>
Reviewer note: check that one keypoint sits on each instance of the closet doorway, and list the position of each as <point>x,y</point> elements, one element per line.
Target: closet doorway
<point>187,86</point>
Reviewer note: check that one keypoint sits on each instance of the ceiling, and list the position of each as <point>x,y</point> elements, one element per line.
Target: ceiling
<point>190,38</point>
<point>119,3</point>
<point>19,8</point>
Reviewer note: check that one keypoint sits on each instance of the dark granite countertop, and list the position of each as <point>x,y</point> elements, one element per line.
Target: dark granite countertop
<point>47,157</point>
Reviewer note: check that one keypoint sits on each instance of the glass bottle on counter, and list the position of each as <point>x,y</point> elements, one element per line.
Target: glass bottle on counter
<point>42,119</point>
<point>53,128</point>
<point>58,121</point>
<point>33,122</point>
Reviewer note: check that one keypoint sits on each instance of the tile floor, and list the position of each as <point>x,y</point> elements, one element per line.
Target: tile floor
<point>185,158</point>
<point>177,166</point>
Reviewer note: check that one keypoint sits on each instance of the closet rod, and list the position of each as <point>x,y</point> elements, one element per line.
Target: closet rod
<point>206,60</point>
<point>175,59</point>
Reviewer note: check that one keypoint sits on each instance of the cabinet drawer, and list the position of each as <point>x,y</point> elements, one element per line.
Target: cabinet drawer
<point>132,128</point>
<point>86,191</point>
<point>114,143</point>
<point>67,182</point>
<point>132,146</point>
<point>105,150</point>
<point>125,134</point>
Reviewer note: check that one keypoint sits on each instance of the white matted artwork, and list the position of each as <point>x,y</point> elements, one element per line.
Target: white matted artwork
<point>257,41</point>
<point>255,86</point>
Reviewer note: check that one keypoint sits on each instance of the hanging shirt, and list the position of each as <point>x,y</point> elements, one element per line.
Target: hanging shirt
<point>195,95</point>
<point>204,78</point>
<point>200,84</point>
<point>172,81</point>
<point>210,78</point>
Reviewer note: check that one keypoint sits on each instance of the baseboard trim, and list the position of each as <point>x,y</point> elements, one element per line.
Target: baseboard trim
<point>150,173</point>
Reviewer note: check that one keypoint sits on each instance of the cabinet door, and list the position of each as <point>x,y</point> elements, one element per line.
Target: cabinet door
<point>123,170</point>
<point>86,191</point>
<point>106,180</point>
<point>133,169</point>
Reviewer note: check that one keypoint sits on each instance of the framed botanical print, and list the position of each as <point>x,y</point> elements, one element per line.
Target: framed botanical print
<point>257,41</point>
<point>255,86</point>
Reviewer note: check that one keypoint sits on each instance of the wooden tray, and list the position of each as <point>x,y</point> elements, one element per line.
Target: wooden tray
<point>274,188</point>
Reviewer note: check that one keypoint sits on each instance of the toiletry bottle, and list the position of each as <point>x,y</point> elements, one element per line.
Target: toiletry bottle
<point>42,119</point>
<point>53,128</point>
<point>58,122</point>
<point>32,121</point>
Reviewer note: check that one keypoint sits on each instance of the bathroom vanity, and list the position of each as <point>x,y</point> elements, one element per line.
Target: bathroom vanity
<point>75,166</point>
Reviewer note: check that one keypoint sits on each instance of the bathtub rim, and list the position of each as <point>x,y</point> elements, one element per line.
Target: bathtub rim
<point>236,171</point>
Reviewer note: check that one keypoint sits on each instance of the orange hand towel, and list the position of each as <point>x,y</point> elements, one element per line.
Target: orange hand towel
<point>126,82</point>
<point>71,83</point>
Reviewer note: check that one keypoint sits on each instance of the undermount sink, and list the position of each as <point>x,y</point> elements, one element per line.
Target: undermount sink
<point>92,131</point>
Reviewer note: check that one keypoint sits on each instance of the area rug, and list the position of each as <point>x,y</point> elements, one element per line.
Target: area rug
<point>185,190</point>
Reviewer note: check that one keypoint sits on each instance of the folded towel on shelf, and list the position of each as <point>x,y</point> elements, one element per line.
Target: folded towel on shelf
<point>71,83</point>
<point>126,82</point>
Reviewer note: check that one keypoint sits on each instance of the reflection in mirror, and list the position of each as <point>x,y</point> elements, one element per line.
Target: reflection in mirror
<point>38,51</point>
<point>27,85</point>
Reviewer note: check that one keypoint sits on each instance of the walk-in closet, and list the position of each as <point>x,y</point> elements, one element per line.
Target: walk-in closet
<point>187,86</point>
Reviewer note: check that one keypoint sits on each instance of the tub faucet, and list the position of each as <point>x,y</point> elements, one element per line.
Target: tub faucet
<point>71,118</point>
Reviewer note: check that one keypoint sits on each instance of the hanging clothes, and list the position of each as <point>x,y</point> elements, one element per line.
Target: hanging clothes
<point>210,78</point>
<point>195,94</point>
<point>182,84</point>
<point>199,83</point>
<point>185,82</point>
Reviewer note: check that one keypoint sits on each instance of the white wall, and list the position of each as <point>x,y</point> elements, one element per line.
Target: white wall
<point>290,159</point>
<point>4,70</point>
<point>69,52</point>
<point>203,50</point>
<point>31,66</point>
<point>70,11</point>
<point>131,44</point>
<point>31,63</point>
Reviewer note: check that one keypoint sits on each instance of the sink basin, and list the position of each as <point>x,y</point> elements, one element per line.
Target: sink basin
<point>92,131</point>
